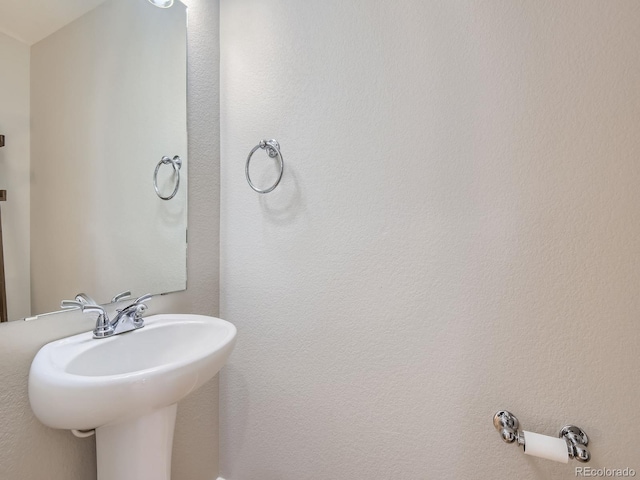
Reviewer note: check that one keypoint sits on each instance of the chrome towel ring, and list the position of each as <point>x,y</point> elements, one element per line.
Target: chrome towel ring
<point>176,163</point>
<point>273,150</point>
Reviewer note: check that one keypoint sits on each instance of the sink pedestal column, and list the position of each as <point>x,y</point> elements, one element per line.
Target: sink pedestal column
<point>138,448</point>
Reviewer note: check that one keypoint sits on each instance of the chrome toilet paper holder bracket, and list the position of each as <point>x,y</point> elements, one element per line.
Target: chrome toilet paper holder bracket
<point>508,426</point>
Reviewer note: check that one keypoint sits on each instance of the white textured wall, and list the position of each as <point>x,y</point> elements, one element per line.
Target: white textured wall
<point>456,232</point>
<point>28,450</point>
<point>14,172</point>
<point>97,223</point>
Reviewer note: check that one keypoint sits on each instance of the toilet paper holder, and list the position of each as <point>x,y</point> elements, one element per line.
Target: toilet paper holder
<point>507,424</point>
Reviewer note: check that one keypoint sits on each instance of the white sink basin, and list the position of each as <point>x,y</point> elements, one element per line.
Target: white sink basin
<point>128,385</point>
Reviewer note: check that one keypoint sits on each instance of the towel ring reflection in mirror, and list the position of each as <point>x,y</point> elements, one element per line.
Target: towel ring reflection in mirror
<point>176,163</point>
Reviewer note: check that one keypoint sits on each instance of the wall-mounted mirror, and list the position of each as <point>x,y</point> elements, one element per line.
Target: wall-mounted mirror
<point>92,96</point>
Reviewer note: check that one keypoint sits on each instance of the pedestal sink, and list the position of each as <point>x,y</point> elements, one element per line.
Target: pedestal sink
<point>126,387</point>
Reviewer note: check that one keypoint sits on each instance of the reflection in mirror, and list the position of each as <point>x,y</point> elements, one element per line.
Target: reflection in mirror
<point>87,113</point>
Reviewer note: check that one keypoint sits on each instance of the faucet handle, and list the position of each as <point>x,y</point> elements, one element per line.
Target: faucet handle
<point>85,299</point>
<point>103,325</point>
<point>143,298</point>
<point>121,296</point>
<point>140,308</point>
<point>94,308</point>
<point>80,300</point>
<point>68,304</point>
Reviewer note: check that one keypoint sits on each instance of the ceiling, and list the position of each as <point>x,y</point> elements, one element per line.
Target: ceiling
<point>32,20</point>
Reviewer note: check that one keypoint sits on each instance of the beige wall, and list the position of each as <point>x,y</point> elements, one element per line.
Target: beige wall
<point>456,233</point>
<point>14,172</point>
<point>29,450</point>
<point>97,224</point>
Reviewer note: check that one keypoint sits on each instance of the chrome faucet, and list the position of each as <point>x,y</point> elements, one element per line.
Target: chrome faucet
<point>127,319</point>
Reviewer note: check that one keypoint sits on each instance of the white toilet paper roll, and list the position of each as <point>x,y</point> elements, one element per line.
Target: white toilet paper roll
<point>543,446</point>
